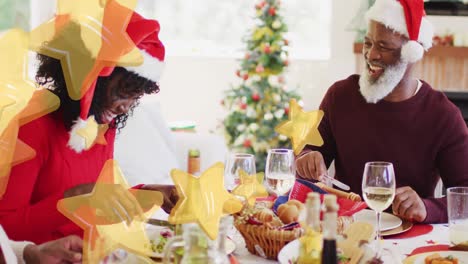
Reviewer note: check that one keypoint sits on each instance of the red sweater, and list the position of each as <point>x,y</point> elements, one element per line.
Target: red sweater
<point>28,210</point>
<point>424,137</point>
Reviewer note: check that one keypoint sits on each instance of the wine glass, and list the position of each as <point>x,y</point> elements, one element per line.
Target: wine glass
<point>280,171</point>
<point>234,163</point>
<point>378,189</point>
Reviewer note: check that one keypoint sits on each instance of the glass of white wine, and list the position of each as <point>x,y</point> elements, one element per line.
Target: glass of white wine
<point>236,162</point>
<point>378,189</point>
<point>280,171</point>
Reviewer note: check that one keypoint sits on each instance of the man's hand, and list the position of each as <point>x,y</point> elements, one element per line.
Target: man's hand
<point>408,205</point>
<point>311,166</point>
<point>169,192</point>
<point>64,250</point>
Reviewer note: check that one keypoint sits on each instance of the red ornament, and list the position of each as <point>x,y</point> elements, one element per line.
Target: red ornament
<point>260,68</point>
<point>272,11</point>
<point>238,73</point>
<point>245,76</point>
<point>247,143</point>
<point>286,62</point>
<point>286,110</point>
<point>243,106</point>
<point>281,79</point>
<point>256,97</point>
<point>267,49</point>
<point>286,42</point>
<point>247,56</point>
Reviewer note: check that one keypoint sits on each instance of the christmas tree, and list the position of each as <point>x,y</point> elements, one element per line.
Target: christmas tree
<point>260,102</point>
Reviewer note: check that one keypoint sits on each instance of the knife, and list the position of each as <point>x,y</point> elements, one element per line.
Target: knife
<point>337,183</point>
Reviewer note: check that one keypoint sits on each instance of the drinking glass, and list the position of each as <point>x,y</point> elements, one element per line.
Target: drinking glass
<point>234,163</point>
<point>378,189</point>
<point>280,171</point>
<point>457,206</point>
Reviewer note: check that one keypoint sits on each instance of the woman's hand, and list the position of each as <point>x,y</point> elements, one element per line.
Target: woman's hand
<point>111,201</point>
<point>169,192</point>
<point>64,250</point>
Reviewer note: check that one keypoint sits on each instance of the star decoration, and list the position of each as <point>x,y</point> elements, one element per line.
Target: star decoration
<point>22,102</point>
<point>302,127</point>
<point>101,139</point>
<point>89,132</point>
<point>250,187</point>
<point>203,199</point>
<point>104,233</point>
<point>87,36</point>
<point>15,88</point>
<point>4,103</point>
<point>311,240</point>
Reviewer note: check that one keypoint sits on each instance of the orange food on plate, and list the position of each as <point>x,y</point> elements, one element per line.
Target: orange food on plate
<point>437,259</point>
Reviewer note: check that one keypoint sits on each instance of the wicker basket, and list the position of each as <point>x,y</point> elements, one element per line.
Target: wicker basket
<point>264,241</point>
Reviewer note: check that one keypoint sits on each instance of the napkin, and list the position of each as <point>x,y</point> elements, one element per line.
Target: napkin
<point>302,187</point>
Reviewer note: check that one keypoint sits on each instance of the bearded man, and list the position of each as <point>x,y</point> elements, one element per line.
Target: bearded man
<point>384,114</point>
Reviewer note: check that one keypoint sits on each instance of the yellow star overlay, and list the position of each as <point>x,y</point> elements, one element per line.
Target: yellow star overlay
<point>203,199</point>
<point>22,102</point>
<point>87,36</point>
<point>310,241</point>
<point>15,88</point>
<point>4,103</point>
<point>106,233</point>
<point>101,139</point>
<point>250,187</point>
<point>89,132</point>
<point>302,127</point>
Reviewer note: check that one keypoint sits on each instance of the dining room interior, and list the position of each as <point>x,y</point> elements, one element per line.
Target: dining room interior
<point>245,125</point>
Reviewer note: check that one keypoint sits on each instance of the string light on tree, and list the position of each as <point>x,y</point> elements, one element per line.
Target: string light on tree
<point>262,85</point>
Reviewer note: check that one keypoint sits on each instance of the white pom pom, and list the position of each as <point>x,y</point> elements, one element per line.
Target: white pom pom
<point>412,51</point>
<point>77,142</point>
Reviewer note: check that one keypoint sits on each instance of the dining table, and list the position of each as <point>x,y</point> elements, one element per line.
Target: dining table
<point>398,249</point>
<point>418,239</point>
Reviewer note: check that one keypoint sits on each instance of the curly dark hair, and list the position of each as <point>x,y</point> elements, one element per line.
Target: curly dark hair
<point>129,85</point>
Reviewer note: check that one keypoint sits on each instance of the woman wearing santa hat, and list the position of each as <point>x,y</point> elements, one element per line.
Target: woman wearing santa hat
<point>385,114</point>
<point>68,162</point>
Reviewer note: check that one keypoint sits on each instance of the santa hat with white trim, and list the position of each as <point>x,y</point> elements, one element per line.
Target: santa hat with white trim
<point>144,33</point>
<point>406,17</point>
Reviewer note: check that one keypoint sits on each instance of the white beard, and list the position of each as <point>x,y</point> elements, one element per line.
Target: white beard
<point>374,91</point>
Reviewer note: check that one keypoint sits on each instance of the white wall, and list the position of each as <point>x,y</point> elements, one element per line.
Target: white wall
<point>192,88</point>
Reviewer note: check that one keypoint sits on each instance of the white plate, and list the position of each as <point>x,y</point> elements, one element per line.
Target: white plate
<point>387,221</point>
<point>289,252</point>
<point>460,255</point>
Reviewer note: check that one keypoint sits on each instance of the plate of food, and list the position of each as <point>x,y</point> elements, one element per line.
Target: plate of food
<point>387,221</point>
<point>439,257</point>
<point>160,235</point>
<point>290,253</point>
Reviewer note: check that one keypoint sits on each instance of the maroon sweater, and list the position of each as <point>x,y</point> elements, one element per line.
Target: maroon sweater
<point>424,137</point>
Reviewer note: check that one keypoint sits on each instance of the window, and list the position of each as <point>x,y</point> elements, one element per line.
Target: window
<point>216,28</point>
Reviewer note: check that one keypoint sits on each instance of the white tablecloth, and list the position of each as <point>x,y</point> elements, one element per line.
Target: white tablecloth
<point>399,247</point>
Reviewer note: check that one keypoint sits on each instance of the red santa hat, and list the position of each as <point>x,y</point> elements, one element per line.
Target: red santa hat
<point>406,17</point>
<point>144,33</point>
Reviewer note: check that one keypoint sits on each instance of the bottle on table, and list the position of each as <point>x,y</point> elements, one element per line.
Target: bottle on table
<point>193,162</point>
<point>330,216</point>
<point>311,242</point>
